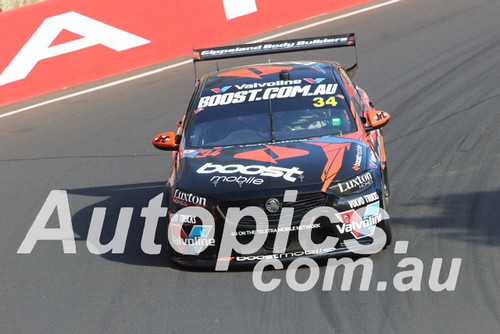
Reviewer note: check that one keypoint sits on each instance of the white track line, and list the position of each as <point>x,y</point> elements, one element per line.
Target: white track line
<point>185,62</point>
<point>335,18</point>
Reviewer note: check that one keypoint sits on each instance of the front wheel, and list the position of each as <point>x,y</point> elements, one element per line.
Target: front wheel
<point>385,225</point>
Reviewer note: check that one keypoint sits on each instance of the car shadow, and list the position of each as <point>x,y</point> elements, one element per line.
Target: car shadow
<point>113,198</point>
<point>468,217</point>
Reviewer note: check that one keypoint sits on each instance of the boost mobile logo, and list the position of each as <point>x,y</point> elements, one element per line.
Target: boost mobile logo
<point>288,174</point>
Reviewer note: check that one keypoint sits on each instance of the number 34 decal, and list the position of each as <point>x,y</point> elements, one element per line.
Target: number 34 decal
<point>320,102</point>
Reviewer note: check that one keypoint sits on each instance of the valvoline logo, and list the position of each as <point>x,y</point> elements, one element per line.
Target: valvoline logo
<point>193,242</point>
<point>358,226</point>
<point>220,90</point>
<point>314,81</point>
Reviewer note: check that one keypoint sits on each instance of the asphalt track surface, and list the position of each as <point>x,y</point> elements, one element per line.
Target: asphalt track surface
<point>434,65</point>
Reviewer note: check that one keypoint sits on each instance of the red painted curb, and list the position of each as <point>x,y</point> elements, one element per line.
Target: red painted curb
<point>128,35</point>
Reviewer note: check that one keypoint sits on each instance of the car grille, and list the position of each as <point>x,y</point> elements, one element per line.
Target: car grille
<point>302,205</point>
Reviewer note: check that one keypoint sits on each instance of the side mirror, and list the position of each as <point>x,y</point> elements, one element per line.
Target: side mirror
<point>376,120</point>
<point>165,141</point>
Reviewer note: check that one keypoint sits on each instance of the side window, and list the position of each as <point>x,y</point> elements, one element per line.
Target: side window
<point>352,91</point>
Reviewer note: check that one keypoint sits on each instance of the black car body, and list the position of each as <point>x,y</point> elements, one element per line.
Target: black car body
<point>253,132</point>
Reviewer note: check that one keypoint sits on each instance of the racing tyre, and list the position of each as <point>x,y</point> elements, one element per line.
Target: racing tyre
<point>385,225</point>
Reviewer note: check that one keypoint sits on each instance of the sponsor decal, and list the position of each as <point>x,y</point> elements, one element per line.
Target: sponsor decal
<point>360,227</point>
<point>220,90</point>
<point>232,51</point>
<point>197,238</point>
<point>240,180</point>
<point>270,93</point>
<point>201,153</point>
<point>353,185</point>
<point>184,198</point>
<point>183,219</point>
<point>285,255</point>
<point>268,84</point>
<point>359,158</point>
<point>276,230</point>
<point>277,142</point>
<point>314,81</point>
<point>360,201</point>
<point>289,174</point>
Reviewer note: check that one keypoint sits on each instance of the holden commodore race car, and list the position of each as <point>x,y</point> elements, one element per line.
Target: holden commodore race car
<point>273,160</point>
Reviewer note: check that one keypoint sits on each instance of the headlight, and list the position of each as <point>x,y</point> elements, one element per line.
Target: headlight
<point>354,185</point>
<point>184,198</point>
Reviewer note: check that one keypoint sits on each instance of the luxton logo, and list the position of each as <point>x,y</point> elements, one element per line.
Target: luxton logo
<point>272,154</point>
<point>220,90</point>
<point>314,81</point>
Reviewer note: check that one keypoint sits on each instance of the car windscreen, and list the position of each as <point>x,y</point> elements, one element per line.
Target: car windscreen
<point>264,115</point>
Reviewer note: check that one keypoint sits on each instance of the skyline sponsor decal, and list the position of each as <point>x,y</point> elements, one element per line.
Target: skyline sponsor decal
<point>271,93</point>
<point>359,227</point>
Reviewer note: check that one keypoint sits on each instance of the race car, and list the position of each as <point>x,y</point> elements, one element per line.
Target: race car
<point>268,155</point>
